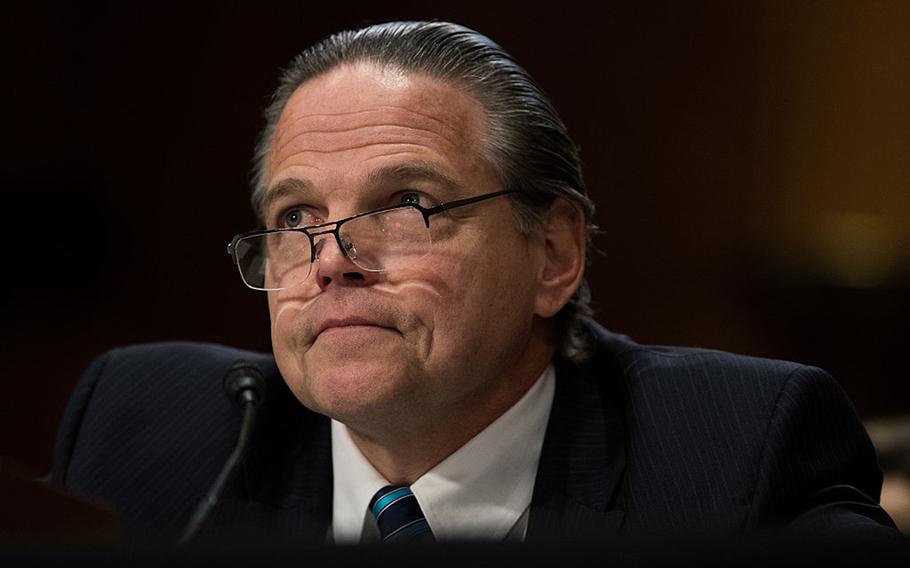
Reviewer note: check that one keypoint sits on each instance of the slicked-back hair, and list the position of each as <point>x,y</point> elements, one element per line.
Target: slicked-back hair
<point>526,142</point>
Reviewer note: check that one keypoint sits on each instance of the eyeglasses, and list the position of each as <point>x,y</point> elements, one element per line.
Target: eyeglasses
<point>375,241</point>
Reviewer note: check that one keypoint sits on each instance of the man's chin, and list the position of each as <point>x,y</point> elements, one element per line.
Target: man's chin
<point>350,389</point>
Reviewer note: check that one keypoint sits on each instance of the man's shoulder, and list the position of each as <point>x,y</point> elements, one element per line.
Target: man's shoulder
<point>697,394</point>
<point>642,365</point>
<point>711,437</point>
<point>149,426</point>
<point>154,375</point>
<point>178,356</point>
<point>144,385</point>
<point>153,387</point>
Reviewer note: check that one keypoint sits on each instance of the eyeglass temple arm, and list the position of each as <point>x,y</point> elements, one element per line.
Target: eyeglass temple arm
<point>467,201</point>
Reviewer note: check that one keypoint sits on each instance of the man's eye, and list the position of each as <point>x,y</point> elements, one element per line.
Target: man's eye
<point>413,198</point>
<point>292,218</point>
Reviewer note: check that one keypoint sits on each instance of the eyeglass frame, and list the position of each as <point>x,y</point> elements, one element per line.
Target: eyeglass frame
<point>427,212</point>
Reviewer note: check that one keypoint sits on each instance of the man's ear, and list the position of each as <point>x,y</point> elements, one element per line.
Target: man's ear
<point>564,257</point>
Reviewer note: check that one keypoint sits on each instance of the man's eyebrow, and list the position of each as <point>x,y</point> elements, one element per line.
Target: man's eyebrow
<point>284,188</point>
<point>397,173</point>
<point>404,173</point>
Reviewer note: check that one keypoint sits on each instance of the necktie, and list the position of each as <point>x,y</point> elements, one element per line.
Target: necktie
<point>398,515</point>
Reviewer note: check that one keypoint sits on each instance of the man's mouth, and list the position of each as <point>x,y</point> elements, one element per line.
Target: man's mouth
<point>348,323</point>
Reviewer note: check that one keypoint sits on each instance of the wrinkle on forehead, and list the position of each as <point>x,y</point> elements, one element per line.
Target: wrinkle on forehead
<point>397,139</point>
<point>345,131</point>
<point>336,122</point>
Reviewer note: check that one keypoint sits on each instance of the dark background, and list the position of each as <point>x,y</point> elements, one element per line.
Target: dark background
<point>751,164</point>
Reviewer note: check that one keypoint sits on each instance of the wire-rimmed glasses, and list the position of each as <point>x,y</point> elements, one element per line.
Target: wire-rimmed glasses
<point>375,241</point>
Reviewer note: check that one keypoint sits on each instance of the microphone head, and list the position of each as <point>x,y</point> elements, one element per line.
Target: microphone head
<point>244,383</point>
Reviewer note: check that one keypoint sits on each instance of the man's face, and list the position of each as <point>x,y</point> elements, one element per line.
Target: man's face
<point>443,336</point>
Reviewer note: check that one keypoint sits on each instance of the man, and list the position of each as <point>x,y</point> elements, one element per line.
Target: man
<point>423,246</point>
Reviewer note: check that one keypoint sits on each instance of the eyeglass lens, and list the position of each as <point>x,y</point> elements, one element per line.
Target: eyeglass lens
<point>375,242</point>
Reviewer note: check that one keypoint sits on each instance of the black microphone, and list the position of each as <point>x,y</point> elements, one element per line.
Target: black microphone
<point>245,387</point>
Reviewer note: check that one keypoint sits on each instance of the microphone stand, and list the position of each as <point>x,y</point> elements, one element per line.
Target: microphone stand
<point>245,386</point>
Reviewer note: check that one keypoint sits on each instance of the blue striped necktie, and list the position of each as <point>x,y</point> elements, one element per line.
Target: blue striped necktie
<point>398,515</point>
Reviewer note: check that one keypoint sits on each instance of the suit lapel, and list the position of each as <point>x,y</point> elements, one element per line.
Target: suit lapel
<point>582,460</point>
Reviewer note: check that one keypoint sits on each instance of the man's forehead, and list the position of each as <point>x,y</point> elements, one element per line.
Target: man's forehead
<point>388,80</point>
<point>352,93</point>
<point>355,112</point>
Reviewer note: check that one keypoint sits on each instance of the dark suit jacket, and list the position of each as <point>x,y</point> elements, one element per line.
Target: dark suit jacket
<point>641,440</point>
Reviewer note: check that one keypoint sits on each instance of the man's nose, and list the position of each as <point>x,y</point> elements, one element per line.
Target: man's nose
<point>332,265</point>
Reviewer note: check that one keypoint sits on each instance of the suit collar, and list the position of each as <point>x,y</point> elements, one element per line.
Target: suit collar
<point>583,457</point>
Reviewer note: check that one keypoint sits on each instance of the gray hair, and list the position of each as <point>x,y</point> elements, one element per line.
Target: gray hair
<point>527,143</point>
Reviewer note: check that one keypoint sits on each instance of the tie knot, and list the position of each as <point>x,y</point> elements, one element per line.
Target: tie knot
<point>398,515</point>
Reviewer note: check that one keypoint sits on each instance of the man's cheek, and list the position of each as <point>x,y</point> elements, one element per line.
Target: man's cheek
<point>409,291</point>
<point>282,316</point>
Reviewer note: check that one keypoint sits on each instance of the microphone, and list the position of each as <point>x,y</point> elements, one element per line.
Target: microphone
<point>245,387</point>
<point>244,383</point>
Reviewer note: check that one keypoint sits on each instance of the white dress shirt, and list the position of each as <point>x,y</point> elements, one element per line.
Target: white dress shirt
<point>481,492</point>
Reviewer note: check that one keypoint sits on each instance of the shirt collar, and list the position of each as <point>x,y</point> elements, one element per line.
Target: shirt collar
<point>478,492</point>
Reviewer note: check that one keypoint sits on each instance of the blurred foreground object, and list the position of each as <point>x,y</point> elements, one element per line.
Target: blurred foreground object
<point>34,511</point>
<point>891,437</point>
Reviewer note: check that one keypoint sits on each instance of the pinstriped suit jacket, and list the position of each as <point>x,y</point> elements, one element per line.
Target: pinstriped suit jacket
<point>641,440</point>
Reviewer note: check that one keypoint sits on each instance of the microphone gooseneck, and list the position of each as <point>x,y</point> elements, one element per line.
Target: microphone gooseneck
<point>245,387</point>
